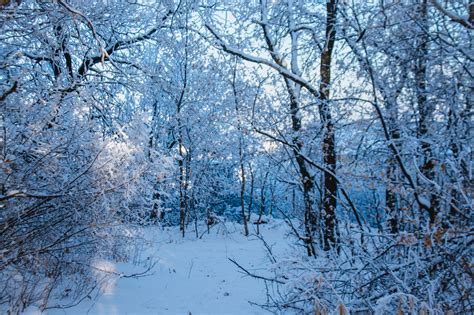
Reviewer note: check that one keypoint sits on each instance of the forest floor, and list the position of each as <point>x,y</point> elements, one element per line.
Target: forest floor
<point>191,275</point>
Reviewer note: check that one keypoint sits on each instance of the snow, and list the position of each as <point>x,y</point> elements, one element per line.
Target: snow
<point>192,276</point>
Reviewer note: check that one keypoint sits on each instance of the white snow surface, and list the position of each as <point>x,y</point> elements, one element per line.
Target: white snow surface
<point>191,276</point>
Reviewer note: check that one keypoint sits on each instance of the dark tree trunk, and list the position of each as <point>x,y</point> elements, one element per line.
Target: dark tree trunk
<point>425,110</point>
<point>242,193</point>
<point>3,130</point>
<point>262,203</point>
<point>391,207</point>
<point>241,153</point>
<point>252,182</point>
<point>182,190</point>
<point>307,181</point>
<point>329,141</point>
<point>391,190</point>
<point>310,221</point>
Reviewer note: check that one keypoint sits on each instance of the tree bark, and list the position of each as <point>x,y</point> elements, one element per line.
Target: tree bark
<point>241,153</point>
<point>329,139</point>
<point>425,110</point>
<point>252,184</point>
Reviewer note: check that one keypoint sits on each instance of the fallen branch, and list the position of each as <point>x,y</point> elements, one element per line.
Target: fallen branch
<point>254,275</point>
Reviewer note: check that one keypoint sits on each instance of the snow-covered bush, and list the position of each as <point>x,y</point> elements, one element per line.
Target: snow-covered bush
<point>71,171</point>
<point>406,274</point>
<point>66,191</point>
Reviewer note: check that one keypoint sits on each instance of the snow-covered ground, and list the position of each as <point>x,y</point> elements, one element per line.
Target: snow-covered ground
<point>191,276</point>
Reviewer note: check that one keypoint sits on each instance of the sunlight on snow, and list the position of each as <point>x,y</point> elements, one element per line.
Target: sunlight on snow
<point>105,272</point>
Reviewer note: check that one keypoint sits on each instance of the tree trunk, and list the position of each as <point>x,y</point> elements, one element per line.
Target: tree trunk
<point>391,207</point>
<point>425,110</point>
<point>391,189</point>
<point>329,141</point>
<point>242,193</point>
<point>241,152</point>
<point>182,187</point>
<point>3,130</point>
<point>262,203</point>
<point>310,221</point>
<point>252,180</point>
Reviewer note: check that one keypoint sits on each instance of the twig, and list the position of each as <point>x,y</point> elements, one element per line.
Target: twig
<point>254,275</point>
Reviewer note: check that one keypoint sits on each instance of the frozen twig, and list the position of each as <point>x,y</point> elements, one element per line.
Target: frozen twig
<point>254,275</point>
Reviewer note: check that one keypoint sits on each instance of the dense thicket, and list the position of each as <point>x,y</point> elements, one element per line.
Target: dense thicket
<point>351,120</point>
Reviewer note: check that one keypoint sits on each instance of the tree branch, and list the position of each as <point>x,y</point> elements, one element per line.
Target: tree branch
<point>455,18</point>
<point>121,44</point>
<point>254,275</point>
<point>279,68</point>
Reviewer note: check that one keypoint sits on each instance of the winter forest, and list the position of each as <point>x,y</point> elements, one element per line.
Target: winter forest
<point>236,157</point>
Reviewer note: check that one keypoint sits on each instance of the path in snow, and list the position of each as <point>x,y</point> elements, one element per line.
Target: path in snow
<point>192,276</point>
